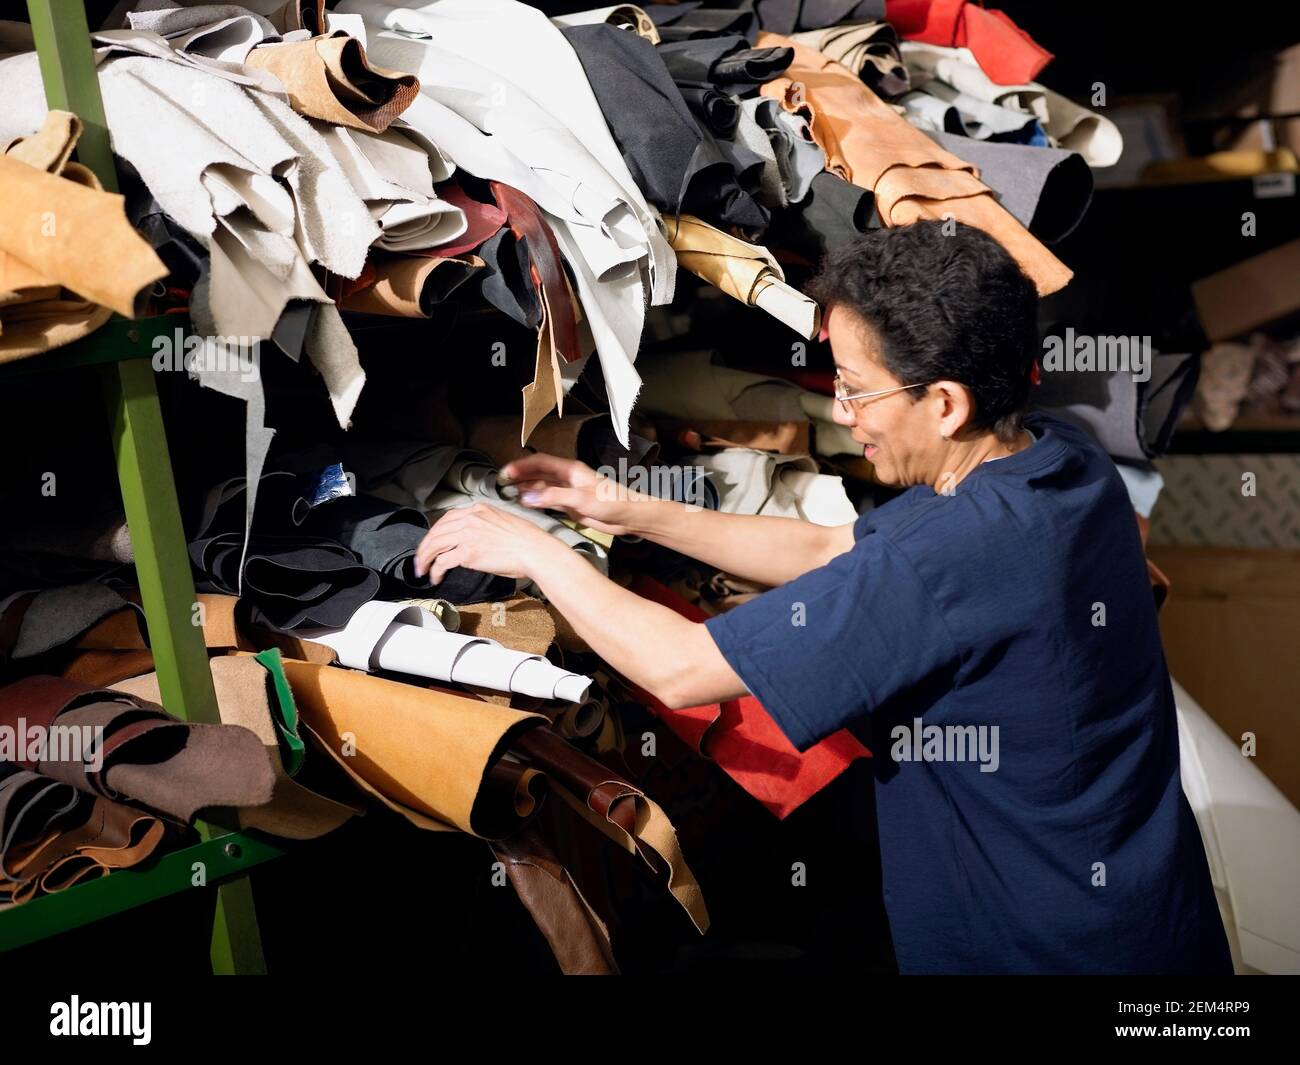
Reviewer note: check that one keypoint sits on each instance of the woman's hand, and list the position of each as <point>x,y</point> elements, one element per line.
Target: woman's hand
<point>485,538</point>
<point>548,482</point>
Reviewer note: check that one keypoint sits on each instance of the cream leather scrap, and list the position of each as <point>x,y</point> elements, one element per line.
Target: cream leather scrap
<point>743,271</point>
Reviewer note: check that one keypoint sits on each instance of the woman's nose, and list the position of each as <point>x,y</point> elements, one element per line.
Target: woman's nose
<point>841,416</point>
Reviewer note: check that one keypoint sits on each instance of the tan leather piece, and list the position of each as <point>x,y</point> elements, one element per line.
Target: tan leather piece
<point>127,838</point>
<point>46,324</point>
<point>33,859</point>
<point>294,812</point>
<point>109,836</point>
<point>103,669</point>
<point>419,820</point>
<point>68,256</point>
<point>1047,272</point>
<point>50,147</point>
<point>423,751</point>
<point>67,872</point>
<point>526,624</point>
<point>223,631</point>
<point>545,392</point>
<point>647,831</point>
<point>75,236</point>
<point>726,262</point>
<point>398,284</point>
<point>330,79</point>
<point>867,143</point>
<point>119,631</point>
<point>521,786</point>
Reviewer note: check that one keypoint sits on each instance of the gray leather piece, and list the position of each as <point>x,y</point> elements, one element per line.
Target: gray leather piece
<point>58,615</point>
<point>1131,419</point>
<point>1047,189</point>
<point>834,211</point>
<point>798,157</point>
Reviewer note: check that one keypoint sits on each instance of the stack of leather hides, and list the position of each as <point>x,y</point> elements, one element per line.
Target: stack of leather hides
<point>305,566</point>
<point>100,778</point>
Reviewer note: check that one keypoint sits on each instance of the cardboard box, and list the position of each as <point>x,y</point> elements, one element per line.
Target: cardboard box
<point>1231,629</point>
<point>1250,294</point>
<point>1274,90</point>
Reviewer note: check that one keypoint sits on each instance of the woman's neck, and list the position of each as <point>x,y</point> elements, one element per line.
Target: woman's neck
<point>968,455</point>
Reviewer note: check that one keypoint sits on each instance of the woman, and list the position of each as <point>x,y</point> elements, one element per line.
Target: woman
<point>991,632</point>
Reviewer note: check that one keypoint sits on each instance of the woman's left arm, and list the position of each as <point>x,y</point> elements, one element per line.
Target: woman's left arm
<point>669,656</point>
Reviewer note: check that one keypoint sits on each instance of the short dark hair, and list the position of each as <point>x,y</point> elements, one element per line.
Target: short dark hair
<point>948,302</point>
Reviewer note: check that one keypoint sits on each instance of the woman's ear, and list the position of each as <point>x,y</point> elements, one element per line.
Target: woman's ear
<point>955,407</point>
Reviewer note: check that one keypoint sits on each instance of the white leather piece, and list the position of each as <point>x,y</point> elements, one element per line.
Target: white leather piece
<point>403,638</point>
<point>1252,841</point>
<point>1069,125</point>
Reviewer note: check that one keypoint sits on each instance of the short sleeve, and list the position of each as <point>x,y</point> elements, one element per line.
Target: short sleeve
<point>863,524</point>
<point>837,642</point>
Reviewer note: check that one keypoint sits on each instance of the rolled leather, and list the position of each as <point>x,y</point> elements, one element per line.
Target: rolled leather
<point>424,754</point>
<point>620,810</point>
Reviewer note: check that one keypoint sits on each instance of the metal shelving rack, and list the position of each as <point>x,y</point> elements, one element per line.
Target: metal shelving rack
<point>121,350</point>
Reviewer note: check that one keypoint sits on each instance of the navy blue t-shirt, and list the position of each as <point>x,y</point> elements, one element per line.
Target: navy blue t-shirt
<point>997,648</point>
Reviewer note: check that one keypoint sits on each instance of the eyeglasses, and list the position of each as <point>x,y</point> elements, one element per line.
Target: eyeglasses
<point>847,398</point>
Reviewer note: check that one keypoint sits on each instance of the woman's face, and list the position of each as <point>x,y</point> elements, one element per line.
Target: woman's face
<point>902,437</point>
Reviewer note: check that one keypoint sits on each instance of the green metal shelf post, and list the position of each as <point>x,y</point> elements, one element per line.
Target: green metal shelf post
<point>166,588</point>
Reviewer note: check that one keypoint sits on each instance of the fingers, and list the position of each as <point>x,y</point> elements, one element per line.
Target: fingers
<point>552,498</point>
<point>540,466</point>
<point>446,534</point>
<point>455,534</point>
<point>436,542</point>
<point>447,560</point>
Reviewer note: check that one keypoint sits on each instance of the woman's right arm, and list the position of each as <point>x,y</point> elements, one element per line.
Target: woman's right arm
<point>768,550</point>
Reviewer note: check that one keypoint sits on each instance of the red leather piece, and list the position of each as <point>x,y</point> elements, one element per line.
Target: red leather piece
<point>1005,52</point>
<point>525,219</point>
<point>484,219</point>
<point>741,737</point>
